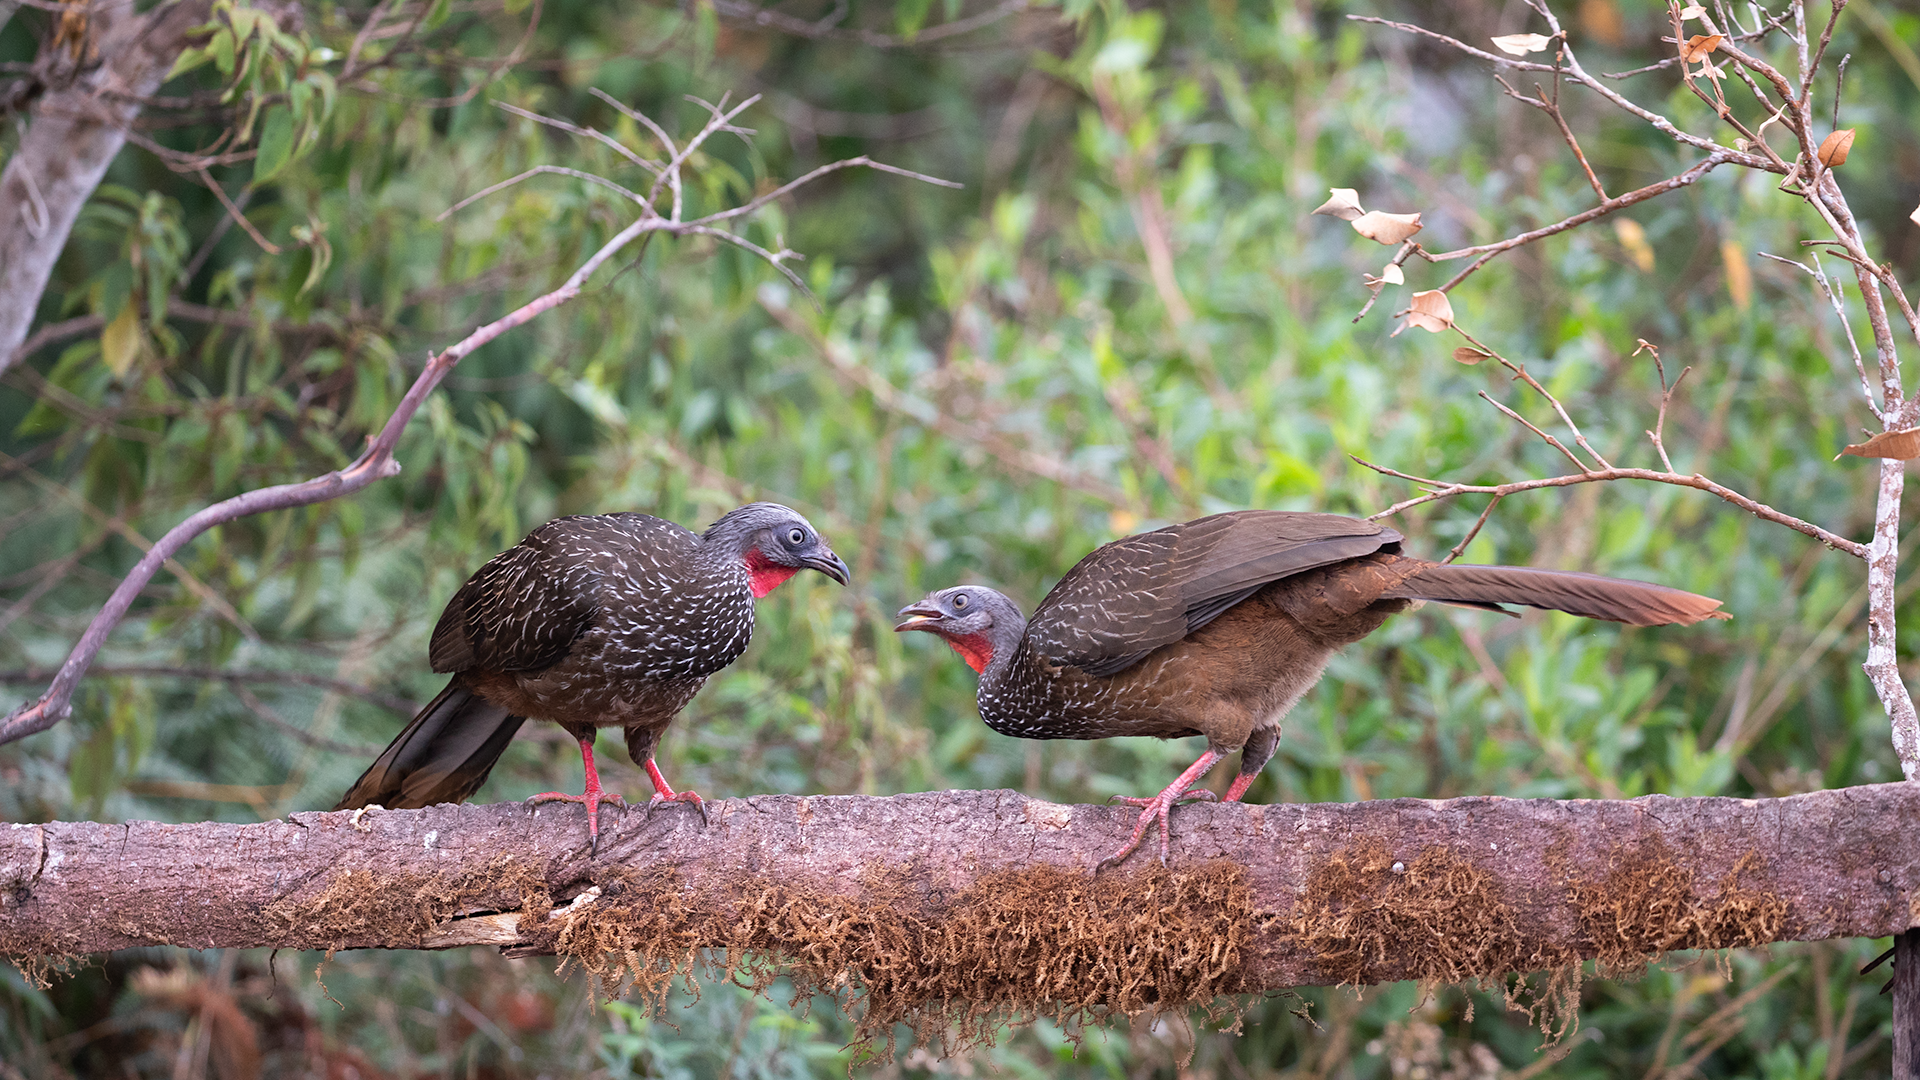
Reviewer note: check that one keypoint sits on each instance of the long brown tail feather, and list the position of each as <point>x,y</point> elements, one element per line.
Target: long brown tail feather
<point>1617,600</point>
<point>443,754</point>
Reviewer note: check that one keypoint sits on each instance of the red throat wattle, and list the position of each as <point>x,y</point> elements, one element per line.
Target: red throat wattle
<point>764,575</point>
<point>975,649</point>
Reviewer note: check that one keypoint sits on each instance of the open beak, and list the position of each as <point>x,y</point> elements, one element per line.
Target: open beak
<point>916,616</point>
<point>833,566</point>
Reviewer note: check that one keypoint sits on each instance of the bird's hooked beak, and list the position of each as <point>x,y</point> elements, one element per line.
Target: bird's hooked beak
<point>917,616</point>
<point>833,566</point>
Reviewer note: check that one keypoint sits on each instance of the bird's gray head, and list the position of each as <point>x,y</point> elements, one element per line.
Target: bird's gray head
<point>775,543</point>
<point>978,622</point>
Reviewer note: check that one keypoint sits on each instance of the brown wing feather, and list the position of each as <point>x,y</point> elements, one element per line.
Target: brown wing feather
<point>1132,596</point>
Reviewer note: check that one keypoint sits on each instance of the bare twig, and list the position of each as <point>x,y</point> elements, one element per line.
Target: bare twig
<point>233,212</point>
<point>1460,548</point>
<point>1833,296</point>
<point>1659,433</point>
<point>1620,202</point>
<point>1440,489</point>
<point>539,170</point>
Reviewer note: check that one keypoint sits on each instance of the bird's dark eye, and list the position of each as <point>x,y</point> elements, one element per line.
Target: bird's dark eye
<point>797,536</point>
<point>960,602</point>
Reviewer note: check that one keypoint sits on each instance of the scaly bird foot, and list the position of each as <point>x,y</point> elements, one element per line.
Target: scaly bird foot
<point>664,793</point>
<point>1156,809</point>
<point>592,799</point>
<point>693,797</point>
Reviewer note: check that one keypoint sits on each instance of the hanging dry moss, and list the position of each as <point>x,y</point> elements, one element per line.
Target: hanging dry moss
<point>357,905</point>
<point>1646,904</point>
<point>1017,944</point>
<point>1366,915</point>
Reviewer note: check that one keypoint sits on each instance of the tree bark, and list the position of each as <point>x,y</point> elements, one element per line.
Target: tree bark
<point>1356,892</point>
<point>75,128</point>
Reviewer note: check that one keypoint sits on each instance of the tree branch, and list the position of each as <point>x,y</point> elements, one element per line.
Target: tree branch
<point>835,886</point>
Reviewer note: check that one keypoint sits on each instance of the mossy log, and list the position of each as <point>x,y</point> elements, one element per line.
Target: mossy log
<point>929,900</point>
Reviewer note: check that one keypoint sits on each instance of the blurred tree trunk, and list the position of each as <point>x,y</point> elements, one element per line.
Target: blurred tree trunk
<point>91,80</point>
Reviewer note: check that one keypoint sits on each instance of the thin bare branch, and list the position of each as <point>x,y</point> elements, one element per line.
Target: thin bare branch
<point>790,186</point>
<point>1460,548</point>
<point>233,212</point>
<point>1846,328</point>
<point>637,117</point>
<point>595,134</point>
<point>1620,202</point>
<point>539,170</point>
<point>1544,436</point>
<point>1444,490</point>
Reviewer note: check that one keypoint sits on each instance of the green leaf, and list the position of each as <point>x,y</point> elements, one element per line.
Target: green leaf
<point>191,57</point>
<point>222,49</point>
<point>910,15</point>
<point>436,15</point>
<point>276,145</point>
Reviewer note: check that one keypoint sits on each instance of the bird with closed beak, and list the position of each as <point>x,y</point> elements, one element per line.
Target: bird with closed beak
<point>1219,625</point>
<point>610,620</point>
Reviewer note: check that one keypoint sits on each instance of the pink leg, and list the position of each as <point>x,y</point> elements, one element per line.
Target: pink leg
<point>591,798</point>
<point>1156,808</point>
<point>1240,785</point>
<point>664,794</point>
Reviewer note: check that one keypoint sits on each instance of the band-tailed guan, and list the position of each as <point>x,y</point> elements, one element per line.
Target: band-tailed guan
<point>1217,626</point>
<point>599,621</point>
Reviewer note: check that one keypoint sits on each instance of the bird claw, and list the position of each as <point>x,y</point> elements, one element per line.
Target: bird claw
<point>1154,808</point>
<point>593,799</point>
<point>693,797</point>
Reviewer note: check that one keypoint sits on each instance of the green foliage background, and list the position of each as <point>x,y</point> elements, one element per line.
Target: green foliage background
<point>1023,316</point>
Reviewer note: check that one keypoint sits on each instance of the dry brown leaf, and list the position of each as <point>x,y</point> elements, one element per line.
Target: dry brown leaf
<point>1345,204</point>
<point>1733,258</point>
<point>1385,228</point>
<point>1392,275</point>
<point>1699,45</point>
<point>1902,445</point>
<point>1834,148</point>
<point>1467,354</point>
<point>1521,44</point>
<point>1431,311</point>
<point>1634,238</point>
<point>1692,11</point>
